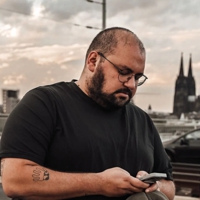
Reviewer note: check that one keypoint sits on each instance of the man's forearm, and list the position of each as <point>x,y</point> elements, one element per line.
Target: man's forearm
<point>27,180</point>
<point>167,187</point>
<point>30,181</point>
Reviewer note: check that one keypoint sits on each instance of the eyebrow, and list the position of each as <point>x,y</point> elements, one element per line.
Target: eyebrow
<point>132,72</point>
<point>119,67</point>
<point>127,69</point>
<point>123,68</point>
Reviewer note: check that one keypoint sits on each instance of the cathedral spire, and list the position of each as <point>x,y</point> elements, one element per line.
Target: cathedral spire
<point>181,73</point>
<point>190,66</point>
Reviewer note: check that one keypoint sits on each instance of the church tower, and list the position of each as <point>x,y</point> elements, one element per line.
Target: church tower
<point>191,88</point>
<point>181,92</point>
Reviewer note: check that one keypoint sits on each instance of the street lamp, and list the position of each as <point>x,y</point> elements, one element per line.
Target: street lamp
<point>103,3</point>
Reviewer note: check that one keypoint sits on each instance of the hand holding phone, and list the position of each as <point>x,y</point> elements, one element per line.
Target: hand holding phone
<point>153,177</point>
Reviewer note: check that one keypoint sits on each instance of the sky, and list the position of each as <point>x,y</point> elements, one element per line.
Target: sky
<point>44,41</point>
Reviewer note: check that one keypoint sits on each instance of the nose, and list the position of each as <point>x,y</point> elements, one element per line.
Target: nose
<point>131,83</point>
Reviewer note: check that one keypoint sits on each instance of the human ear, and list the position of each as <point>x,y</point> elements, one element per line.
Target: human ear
<point>92,61</point>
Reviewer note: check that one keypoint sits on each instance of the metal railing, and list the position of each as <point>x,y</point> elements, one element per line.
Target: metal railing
<point>187,176</point>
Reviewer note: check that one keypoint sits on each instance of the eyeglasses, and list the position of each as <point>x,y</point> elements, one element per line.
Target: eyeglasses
<point>124,75</point>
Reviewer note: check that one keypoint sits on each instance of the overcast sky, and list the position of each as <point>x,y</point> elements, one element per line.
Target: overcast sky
<point>44,41</point>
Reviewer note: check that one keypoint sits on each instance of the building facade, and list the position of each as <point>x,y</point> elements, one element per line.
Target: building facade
<point>10,100</point>
<point>185,99</point>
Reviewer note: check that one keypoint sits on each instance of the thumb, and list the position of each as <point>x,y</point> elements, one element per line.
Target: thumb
<point>141,173</point>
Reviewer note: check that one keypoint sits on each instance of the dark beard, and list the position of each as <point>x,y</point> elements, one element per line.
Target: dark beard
<point>108,101</point>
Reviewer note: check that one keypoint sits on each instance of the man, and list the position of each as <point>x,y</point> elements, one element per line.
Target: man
<point>83,139</point>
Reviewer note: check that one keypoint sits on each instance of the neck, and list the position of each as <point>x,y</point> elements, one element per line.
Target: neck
<point>81,85</point>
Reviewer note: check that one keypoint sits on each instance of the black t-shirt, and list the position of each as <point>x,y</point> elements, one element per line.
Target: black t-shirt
<point>60,127</point>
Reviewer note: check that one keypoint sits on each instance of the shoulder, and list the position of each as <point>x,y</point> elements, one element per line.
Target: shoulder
<point>40,98</point>
<point>139,116</point>
<point>47,91</point>
<point>53,88</point>
<point>135,110</point>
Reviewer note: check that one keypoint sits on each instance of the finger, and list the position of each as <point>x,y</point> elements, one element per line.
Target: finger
<point>152,188</point>
<point>141,173</point>
<point>134,189</point>
<point>136,183</point>
<point>158,184</point>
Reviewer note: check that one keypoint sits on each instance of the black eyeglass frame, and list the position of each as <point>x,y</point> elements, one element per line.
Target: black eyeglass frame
<point>120,72</point>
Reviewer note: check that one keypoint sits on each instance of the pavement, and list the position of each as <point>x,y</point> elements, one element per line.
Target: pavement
<point>185,198</point>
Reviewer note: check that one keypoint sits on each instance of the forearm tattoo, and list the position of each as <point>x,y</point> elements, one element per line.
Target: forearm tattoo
<point>2,164</point>
<point>40,174</point>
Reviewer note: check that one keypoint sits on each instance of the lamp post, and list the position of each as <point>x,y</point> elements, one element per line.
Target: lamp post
<point>103,14</point>
<point>103,3</point>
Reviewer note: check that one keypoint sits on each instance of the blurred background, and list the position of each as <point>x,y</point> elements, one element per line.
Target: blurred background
<point>44,41</point>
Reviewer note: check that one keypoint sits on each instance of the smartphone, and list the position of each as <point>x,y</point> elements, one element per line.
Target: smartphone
<point>153,177</point>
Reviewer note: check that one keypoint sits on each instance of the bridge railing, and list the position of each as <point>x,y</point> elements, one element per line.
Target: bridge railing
<point>187,176</point>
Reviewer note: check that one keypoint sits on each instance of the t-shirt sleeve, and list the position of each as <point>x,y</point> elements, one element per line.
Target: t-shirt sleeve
<point>161,160</point>
<point>30,127</point>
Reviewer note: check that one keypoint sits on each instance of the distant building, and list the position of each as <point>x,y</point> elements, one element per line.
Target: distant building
<point>185,99</point>
<point>10,100</point>
<point>3,118</point>
<point>1,108</point>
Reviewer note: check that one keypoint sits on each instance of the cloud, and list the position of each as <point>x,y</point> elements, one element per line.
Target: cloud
<point>10,8</point>
<point>9,31</point>
<point>46,54</point>
<point>3,65</point>
<point>49,48</point>
<point>12,80</point>
<point>196,65</point>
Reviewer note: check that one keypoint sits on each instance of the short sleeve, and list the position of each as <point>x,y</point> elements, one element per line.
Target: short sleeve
<point>29,128</point>
<point>161,160</point>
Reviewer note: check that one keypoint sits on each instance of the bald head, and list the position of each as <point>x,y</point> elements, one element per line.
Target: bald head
<point>108,40</point>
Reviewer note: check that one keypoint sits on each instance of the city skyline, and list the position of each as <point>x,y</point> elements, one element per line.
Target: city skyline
<point>42,42</point>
